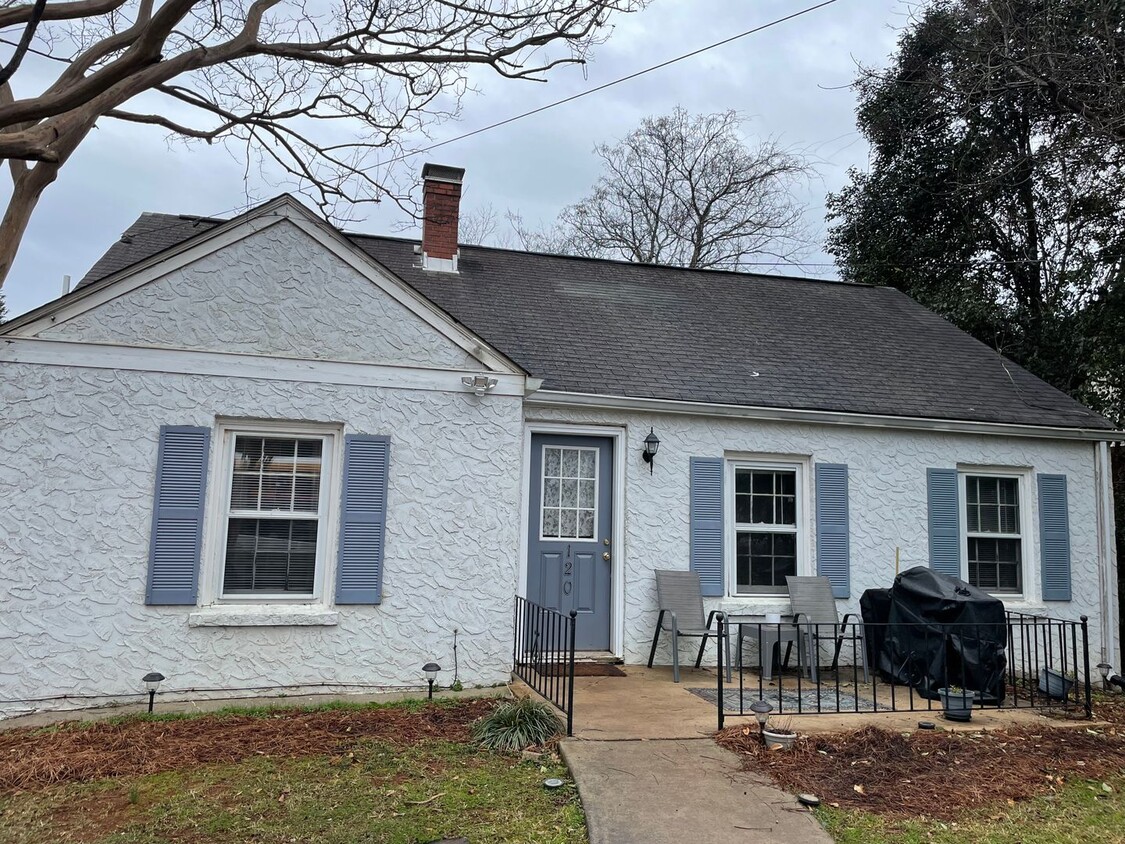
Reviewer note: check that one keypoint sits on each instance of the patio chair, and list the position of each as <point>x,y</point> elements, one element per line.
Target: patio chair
<point>680,601</point>
<point>818,622</point>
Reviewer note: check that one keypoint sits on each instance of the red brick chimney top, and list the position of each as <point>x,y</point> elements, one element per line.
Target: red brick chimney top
<point>441,206</point>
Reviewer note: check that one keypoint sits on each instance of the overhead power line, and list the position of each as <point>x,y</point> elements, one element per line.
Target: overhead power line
<point>613,82</point>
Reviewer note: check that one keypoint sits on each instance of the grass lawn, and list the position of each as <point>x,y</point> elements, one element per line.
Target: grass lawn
<point>399,773</point>
<point>1079,813</point>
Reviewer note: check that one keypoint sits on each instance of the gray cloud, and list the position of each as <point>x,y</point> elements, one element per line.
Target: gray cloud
<point>789,81</point>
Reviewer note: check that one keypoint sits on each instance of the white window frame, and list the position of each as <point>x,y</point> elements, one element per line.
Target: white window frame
<point>731,528</point>
<point>1029,552</point>
<point>219,511</point>
<point>597,491</point>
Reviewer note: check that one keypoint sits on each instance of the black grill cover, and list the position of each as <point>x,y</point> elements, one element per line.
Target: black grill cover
<point>940,632</point>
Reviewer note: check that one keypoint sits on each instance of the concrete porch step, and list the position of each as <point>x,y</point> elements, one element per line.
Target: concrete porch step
<point>598,657</point>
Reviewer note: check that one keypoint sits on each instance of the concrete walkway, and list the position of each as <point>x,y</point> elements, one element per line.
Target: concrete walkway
<point>681,790</point>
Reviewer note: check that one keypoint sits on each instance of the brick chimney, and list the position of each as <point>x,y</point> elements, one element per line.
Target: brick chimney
<point>441,205</point>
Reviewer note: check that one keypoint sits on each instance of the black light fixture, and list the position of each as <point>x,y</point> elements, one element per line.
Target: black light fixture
<point>430,669</point>
<point>1105,668</point>
<point>652,445</point>
<point>761,711</point>
<point>152,683</point>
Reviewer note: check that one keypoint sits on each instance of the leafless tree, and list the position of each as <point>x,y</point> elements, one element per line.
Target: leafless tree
<point>320,91</point>
<point>687,190</point>
<point>1070,52</point>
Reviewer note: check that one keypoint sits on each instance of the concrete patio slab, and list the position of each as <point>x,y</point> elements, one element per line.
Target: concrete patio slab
<point>646,704</point>
<point>669,792</point>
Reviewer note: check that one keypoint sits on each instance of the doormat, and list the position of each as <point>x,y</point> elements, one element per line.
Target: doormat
<point>583,669</point>
<point>790,701</point>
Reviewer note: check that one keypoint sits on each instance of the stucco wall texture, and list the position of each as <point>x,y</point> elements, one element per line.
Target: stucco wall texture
<point>276,292</point>
<point>78,458</point>
<point>887,503</point>
<point>77,463</point>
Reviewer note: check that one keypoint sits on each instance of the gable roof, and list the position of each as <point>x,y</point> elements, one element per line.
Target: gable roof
<point>620,329</point>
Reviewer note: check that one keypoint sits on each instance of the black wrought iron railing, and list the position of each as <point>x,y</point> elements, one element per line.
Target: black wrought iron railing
<point>801,668</point>
<point>543,654</point>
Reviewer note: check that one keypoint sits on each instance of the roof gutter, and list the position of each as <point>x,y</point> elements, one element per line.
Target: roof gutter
<point>557,398</point>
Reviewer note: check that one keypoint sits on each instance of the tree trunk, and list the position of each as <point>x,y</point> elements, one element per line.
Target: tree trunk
<point>29,186</point>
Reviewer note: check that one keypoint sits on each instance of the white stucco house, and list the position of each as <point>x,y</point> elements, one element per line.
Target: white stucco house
<point>262,455</point>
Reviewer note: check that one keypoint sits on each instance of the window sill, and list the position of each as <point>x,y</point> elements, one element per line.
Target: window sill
<point>264,616</point>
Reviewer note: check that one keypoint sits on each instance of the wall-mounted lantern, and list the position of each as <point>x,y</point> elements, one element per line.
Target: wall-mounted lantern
<point>652,445</point>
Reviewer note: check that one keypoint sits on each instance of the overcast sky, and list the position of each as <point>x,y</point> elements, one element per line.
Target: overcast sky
<point>790,82</point>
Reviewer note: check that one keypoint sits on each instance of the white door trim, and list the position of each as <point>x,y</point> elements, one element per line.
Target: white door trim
<point>617,435</point>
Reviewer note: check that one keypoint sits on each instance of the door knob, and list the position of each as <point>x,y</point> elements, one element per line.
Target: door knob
<point>605,556</point>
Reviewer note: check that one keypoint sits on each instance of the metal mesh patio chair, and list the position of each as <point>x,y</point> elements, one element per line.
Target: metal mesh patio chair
<point>680,601</point>
<point>818,622</point>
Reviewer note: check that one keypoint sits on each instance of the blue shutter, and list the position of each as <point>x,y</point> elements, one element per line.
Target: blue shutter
<point>832,553</point>
<point>706,528</point>
<point>945,521</point>
<point>363,522</point>
<point>1054,537</point>
<point>177,515</point>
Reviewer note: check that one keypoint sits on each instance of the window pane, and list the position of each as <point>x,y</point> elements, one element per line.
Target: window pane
<point>550,522</point>
<point>742,508</point>
<point>1009,491</point>
<point>551,492</point>
<point>244,491</point>
<point>568,523</point>
<point>761,511</point>
<point>569,493</point>
<point>742,481</point>
<point>763,483</point>
<point>551,462</point>
<point>586,493</point>
<point>992,505</point>
<point>586,463</point>
<point>767,558</point>
<point>787,506</point>
<point>270,556</point>
<point>995,564</point>
<point>570,463</point>
<point>585,524</point>
<point>788,483</point>
<point>988,491</point>
<point>742,562</point>
<point>276,473</point>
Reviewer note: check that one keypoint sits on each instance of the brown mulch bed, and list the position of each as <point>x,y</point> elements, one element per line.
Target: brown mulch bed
<point>31,758</point>
<point>935,775</point>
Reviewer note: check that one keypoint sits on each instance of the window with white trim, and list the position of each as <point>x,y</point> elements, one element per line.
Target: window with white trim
<point>767,512</point>
<point>993,532</point>
<point>276,508</point>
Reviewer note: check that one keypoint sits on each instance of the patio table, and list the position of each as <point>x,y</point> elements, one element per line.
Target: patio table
<point>770,638</point>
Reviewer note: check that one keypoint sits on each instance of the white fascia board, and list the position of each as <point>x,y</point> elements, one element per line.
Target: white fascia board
<point>553,398</point>
<point>257,367</point>
<point>283,208</point>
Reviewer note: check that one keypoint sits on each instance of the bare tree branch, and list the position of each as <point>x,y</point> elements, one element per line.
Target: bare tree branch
<point>687,190</point>
<point>315,94</point>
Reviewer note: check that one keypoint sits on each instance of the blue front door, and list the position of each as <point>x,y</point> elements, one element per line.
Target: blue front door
<point>570,555</point>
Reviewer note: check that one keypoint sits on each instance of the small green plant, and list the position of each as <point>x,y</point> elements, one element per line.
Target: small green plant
<point>517,724</point>
<point>457,686</point>
<point>133,795</point>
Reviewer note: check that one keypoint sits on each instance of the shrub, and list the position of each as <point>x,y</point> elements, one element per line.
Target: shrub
<point>516,724</point>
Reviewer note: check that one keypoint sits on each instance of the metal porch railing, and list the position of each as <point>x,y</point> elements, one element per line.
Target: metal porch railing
<point>543,654</point>
<point>1025,661</point>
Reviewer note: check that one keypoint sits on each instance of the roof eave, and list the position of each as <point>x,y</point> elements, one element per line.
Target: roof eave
<point>559,398</point>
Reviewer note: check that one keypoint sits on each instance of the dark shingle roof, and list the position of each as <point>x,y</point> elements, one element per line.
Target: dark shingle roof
<point>615,328</point>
